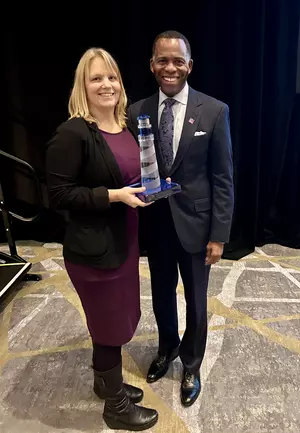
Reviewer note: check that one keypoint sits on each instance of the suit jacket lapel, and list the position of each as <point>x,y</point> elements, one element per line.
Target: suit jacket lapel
<point>190,123</point>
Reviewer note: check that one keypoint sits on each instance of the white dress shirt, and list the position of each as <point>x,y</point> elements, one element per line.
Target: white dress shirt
<point>179,109</point>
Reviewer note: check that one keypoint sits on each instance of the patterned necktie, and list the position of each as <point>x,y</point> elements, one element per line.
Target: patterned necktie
<point>166,132</point>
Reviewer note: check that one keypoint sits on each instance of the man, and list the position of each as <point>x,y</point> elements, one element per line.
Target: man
<point>189,229</point>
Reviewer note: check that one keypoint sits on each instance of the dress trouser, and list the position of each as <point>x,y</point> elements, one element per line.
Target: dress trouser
<point>165,255</point>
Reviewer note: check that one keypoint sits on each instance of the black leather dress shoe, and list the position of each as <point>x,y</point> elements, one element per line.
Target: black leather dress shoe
<point>190,388</point>
<point>160,365</point>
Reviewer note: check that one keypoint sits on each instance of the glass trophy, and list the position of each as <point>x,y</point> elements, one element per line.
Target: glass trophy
<point>156,188</point>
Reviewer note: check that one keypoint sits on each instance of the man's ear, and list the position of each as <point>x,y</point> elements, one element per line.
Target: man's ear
<point>151,65</point>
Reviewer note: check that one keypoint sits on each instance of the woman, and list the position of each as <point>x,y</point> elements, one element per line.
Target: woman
<point>90,161</point>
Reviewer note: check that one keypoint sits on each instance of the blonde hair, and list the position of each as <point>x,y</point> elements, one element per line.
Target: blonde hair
<point>78,104</point>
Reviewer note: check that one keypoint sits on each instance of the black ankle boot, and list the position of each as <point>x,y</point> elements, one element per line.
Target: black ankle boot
<point>121,414</point>
<point>135,394</point>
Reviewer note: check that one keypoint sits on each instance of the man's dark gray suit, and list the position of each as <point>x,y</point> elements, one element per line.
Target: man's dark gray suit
<point>177,230</point>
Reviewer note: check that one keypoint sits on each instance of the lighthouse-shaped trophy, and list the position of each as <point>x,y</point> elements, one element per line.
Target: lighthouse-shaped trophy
<point>156,187</point>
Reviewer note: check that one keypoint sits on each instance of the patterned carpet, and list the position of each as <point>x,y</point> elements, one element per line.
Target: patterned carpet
<point>250,375</point>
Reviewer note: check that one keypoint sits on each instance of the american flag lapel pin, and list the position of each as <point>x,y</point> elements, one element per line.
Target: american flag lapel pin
<point>191,120</point>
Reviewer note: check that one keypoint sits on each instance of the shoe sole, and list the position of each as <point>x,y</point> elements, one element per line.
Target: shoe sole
<point>121,426</point>
<point>171,360</point>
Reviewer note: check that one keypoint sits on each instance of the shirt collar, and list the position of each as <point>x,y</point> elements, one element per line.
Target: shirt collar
<point>181,97</point>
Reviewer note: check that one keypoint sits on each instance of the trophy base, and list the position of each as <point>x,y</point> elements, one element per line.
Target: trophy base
<point>167,189</point>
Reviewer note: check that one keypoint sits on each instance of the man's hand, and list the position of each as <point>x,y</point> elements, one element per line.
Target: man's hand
<point>214,251</point>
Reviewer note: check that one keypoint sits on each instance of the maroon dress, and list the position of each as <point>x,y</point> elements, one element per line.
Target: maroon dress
<point>111,298</point>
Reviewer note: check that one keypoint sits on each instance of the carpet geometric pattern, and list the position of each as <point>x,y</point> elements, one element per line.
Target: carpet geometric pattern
<point>250,374</point>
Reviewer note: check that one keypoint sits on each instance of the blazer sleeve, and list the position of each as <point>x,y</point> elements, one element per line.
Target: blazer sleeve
<point>64,159</point>
<point>221,169</point>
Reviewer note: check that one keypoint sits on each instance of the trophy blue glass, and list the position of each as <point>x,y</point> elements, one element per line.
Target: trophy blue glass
<point>156,188</point>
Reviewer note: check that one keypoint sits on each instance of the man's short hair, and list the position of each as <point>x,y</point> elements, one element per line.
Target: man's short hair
<point>172,34</point>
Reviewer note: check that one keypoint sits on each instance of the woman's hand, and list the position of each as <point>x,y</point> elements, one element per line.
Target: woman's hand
<point>127,195</point>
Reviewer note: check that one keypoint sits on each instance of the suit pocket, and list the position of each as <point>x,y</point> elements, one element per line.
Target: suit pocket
<point>202,204</point>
